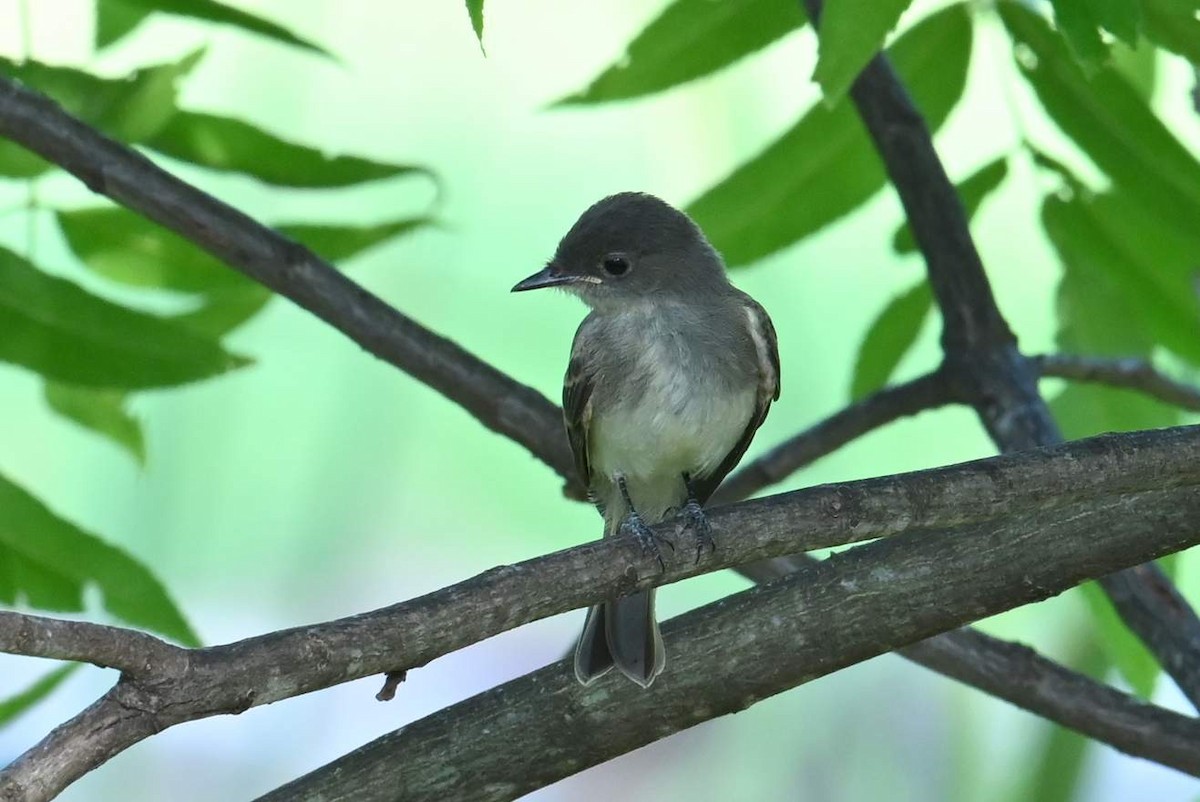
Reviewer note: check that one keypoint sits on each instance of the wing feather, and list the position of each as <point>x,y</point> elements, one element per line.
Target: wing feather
<point>766,350</point>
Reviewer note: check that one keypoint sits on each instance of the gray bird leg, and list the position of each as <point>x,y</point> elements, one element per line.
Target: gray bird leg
<point>697,521</point>
<point>637,527</point>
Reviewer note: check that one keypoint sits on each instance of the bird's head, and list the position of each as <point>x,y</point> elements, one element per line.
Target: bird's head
<point>630,248</point>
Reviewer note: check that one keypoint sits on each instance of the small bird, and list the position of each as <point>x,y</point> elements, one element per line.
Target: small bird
<point>670,376</point>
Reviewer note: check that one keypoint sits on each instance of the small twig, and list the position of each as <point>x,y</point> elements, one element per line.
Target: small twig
<point>1131,373</point>
<point>879,409</point>
<point>134,653</point>
<point>391,681</point>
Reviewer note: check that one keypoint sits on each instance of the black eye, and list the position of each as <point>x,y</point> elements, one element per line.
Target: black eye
<point>615,264</point>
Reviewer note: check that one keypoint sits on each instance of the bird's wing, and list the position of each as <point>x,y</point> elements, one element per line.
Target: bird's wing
<point>766,352</point>
<point>577,407</point>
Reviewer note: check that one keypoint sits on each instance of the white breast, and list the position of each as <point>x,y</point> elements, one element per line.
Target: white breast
<point>682,424</point>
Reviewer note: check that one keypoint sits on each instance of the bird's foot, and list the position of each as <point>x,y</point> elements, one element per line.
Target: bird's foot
<point>634,525</point>
<point>696,520</point>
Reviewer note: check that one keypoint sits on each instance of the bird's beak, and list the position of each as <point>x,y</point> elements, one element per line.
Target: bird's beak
<point>549,276</point>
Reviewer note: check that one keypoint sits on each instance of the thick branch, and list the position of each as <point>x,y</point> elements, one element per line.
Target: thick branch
<point>724,657</point>
<point>879,409</point>
<point>500,403</point>
<point>1049,487</point>
<point>1130,374</point>
<point>981,356</point>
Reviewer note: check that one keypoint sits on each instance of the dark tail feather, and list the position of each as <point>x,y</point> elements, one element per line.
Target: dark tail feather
<point>624,633</point>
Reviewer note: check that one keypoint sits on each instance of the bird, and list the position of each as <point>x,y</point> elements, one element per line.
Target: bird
<point>670,375</point>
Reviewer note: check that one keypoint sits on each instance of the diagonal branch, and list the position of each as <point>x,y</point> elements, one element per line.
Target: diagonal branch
<point>729,655</point>
<point>107,167</point>
<point>878,409</point>
<point>1132,373</point>
<point>1118,474</point>
<point>981,358</point>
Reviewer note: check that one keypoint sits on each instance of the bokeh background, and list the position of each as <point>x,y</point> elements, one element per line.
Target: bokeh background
<point>321,482</point>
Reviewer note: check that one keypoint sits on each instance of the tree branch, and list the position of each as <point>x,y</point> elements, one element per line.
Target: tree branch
<point>132,652</point>
<point>878,409</point>
<point>1129,374</point>
<point>1049,486</point>
<point>981,358</point>
<point>729,655</point>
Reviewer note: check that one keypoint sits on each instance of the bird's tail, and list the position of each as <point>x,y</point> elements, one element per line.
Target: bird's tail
<point>623,633</point>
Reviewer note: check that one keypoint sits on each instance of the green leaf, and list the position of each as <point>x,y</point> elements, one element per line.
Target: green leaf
<point>1081,23</point>
<point>55,328</point>
<point>102,411</point>
<point>115,21</point>
<point>1108,120</point>
<point>1115,245</point>
<point>210,11</point>
<point>126,247</point>
<point>971,191</point>
<point>475,10</point>
<point>824,167</point>
<point>688,40</point>
<point>340,243</point>
<point>1138,66</point>
<point>889,339</point>
<point>1175,25</point>
<point>222,143</point>
<point>851,33</point>
<point>18,703</point>
<point>46,562</point>
<point>129,109</point>
<point>222,311</point>
<point>1136,664</point>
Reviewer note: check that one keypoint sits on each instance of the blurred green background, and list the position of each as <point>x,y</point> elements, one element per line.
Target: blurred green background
<point>321,482</point>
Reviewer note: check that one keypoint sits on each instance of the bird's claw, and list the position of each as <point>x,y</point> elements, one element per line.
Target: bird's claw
<point>697,521</point>
<point>634,525</point>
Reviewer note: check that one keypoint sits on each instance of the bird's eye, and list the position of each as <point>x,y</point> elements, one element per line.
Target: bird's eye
<point>615,264</point>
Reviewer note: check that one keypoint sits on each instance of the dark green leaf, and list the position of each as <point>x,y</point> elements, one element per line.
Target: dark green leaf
<point>824,167</point>
<point>475,9</point>
<point>1136,664</point>
<point>18,703</point>
<point>1107,119</point>
<point>972,191</point>
<point>222,143</point>
<point>1111,243</point>
<point>222,311</point>
<point>130,109</point>
<point>211,11</point>
<point>1175,25</point>
<point>54,327</point>
<point>116,20</point>
<point>339,243</point>
<point>1081,22</point>
<point>125,247</point>
<point>690,39</point>
<point>47,561</point>
<point>852,31</point>
<point>102,411</point>
<point>889,339</point>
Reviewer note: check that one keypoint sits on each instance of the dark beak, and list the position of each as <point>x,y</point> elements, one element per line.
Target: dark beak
<point>549,276</point>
